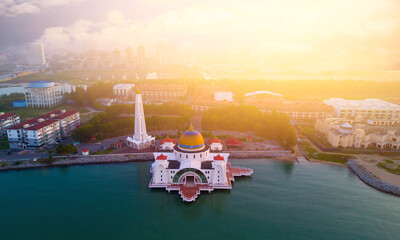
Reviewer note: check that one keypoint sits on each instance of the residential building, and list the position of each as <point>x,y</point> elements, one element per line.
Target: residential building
<point>357,133</point>
<point>44,94</point>
<point>7,120</point>
<point>162,92</point>
<point>295,115</point>
<point>43,131</point>
<point>123,89</point>
<point>374,109</point>
<point>68,122</point>
<point>223,96</point>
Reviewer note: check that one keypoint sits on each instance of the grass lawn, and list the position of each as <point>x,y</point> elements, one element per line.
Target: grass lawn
<point>389,166</point>
<point>4,144</point>
<point>310,132</point>
<point>85,117</point>
<point>328,157</point>
<point>105,151</point>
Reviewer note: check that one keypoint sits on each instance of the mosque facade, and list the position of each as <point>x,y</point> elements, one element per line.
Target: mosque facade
<point>191,167</point>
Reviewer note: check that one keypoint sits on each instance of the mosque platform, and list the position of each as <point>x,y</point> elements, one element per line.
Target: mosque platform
<point>190,192</point>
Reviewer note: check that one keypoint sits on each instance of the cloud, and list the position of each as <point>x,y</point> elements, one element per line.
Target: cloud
<point>12,8</point>
<point>333,34</point>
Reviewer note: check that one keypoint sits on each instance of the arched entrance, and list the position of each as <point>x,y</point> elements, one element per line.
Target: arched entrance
<point>196,173</point>
<point>189,179</point>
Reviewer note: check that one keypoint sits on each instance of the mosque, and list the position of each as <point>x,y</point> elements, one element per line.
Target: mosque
<point>190,167</point>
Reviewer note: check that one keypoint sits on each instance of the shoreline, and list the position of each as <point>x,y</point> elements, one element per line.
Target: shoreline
<point>312,160</point>
<point>125,158</point>
<point>371,180</point>
<point>361,172</point>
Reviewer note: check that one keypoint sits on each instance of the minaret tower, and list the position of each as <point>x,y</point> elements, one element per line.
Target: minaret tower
<point>140,139</point>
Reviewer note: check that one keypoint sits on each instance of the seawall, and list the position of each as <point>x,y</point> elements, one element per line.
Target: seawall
<point>123,158</point>
<point>82,160</point>
<point>371,179</point>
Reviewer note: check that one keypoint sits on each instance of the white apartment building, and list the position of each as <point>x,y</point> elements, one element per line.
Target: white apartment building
<point>43,94</point>
<point>7,120</point>
<point>223,96</point>
<point>348,133</point>
<point>44,131</point>
<point>369,108</point>
<point>68,122</point>
<point>304,114</point>
<point>123,89</point>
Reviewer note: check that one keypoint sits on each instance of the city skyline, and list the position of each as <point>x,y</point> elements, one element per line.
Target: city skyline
<point>284,35</point>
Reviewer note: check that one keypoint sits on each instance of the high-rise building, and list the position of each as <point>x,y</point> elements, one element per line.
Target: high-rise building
<point>141,56</point>
<point>35,55</point>
<point>116,58</point>
<point>129,58</point>
<point>128,54</point>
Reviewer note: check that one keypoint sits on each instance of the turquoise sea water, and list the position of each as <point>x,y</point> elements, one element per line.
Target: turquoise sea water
<point>280,201</point>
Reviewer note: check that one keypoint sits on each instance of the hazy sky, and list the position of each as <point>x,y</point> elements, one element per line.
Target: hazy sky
<point>297,34</point>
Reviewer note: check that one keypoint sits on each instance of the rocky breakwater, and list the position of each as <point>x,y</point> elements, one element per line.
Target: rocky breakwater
<point>81,160</point>
<point>371,179</point>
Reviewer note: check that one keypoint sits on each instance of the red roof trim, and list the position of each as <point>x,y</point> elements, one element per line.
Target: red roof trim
<point>7,115</point>
<point>42,124</point>
<point>47,115</point>
<point>85,150</point>
<point>218,158</point>
<point>161,157</point>
<point>214,140</point>
<point>21,125</point>
<point>167,140</point>
<point>66,114</point>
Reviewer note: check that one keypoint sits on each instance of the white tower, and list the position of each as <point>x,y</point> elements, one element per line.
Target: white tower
<point>140,139</point>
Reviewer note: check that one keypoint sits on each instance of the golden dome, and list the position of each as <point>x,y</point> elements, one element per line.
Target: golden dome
<point>191,140</point>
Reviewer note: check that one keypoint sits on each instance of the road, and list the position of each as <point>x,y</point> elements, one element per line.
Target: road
<point>196,122</point>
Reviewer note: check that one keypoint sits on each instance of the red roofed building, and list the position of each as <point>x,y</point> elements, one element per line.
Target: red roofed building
<point>215,144</point>
<point>7,120</point>
<point>218,158</point>
<point>162,157</point>
<point>167,144</point>
<point>43,134</point>
<point>43,131</point>
<point>233,142</point>
<point>68,122</point>
<point>85,152</point>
